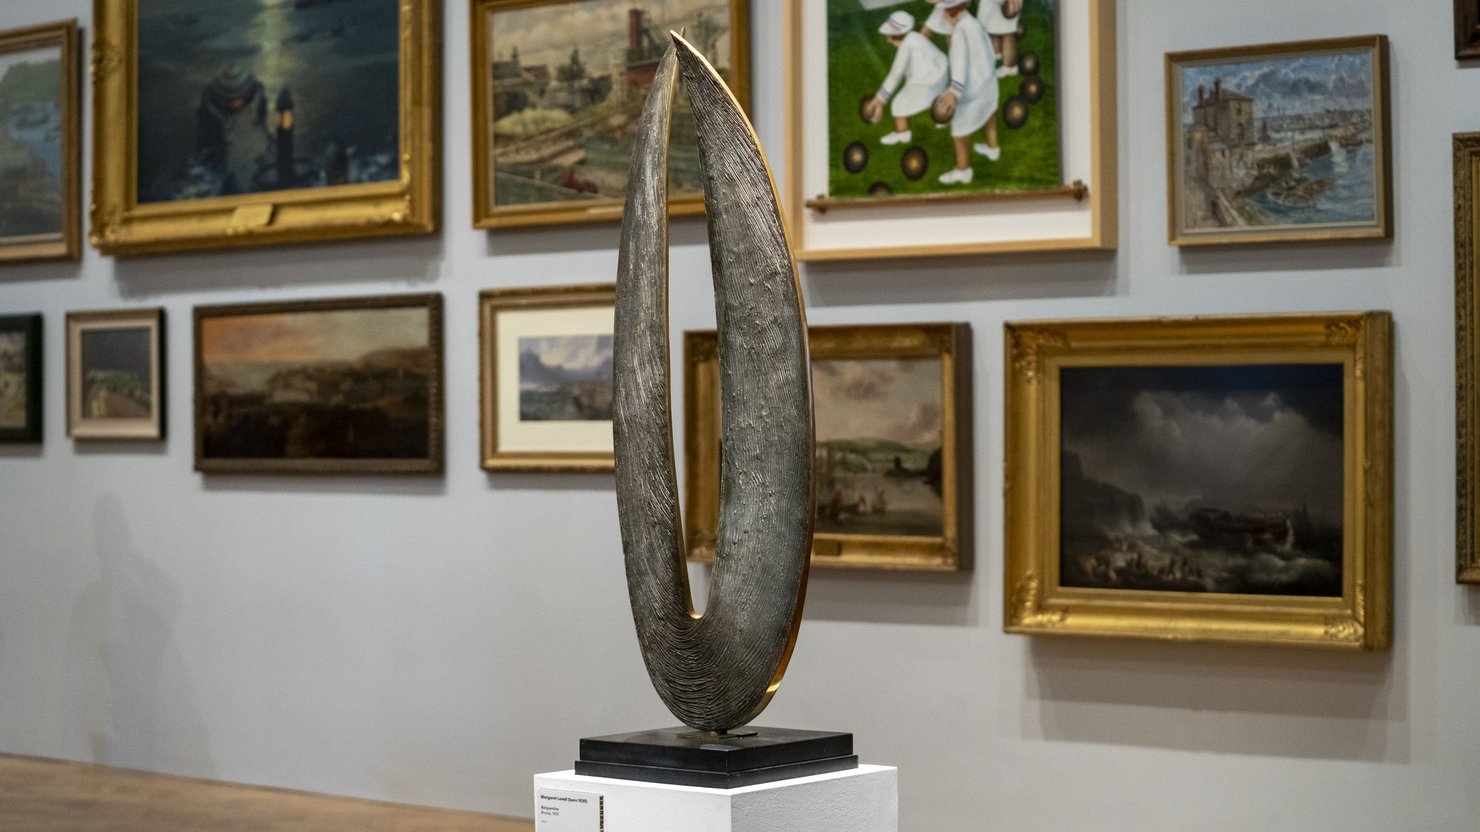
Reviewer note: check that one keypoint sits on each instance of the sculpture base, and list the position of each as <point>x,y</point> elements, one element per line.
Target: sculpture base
<point>684,757</point>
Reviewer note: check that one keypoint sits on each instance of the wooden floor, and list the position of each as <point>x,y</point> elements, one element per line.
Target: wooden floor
<point>49,796</point>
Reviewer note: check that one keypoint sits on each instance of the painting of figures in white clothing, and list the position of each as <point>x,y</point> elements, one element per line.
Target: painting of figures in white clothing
<point>1284,142</point>
<point>942,97</point>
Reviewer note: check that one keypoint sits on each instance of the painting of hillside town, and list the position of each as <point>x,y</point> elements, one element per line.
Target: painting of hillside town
<point>567,82</point>
<point>31,144</point>
<point>1222,479</point>
<point>1285,144</point>
<point>253,96</point>
<point>879,424</point>
<point>14,384</point>
<point>899,123</point>
<point>318,383</point>
<point>116,370</point>
<point>565,378</point>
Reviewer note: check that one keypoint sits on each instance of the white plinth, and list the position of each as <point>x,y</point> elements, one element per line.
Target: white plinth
<point>865,799</point>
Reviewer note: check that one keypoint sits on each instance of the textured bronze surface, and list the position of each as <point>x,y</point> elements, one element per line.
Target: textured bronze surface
<point>719,670</point>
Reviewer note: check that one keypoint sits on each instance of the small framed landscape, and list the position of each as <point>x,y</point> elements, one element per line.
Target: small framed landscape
<point>892,413</point>
<point>893,153</point>
<point>20,378</point>
<point>40,155</point>
<point>558,86</point>
<point>546,362</point>
<point>255,121</point>
<point>1201,479</point>
<point>344,386</point>
<point>1279,143</point>
<point>116,374</point>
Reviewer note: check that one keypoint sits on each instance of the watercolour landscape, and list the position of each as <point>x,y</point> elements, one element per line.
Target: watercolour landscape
<point>565,378</point>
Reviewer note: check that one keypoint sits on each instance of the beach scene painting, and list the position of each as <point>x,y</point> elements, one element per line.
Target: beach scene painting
<point>256,96</point>
<point>565,378</point>
<point>1203,479</point>
<point>880,427</point>
<point>1279,144</point>
<point>32,144</point>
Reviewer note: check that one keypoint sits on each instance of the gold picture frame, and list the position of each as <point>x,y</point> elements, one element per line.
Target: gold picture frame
<point>870,516</point>
<point>1269,523</point>
<point>1467,355</point>
<point>1225,155</point>
<point>1080,215</point>
<point>334,386</point>
<point>488,56</point>
<point>538,416</point>
<point>116,374</point>
<point>66,242</point>
<point>404,201</point>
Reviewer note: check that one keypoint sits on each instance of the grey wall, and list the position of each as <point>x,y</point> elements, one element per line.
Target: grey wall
<point>439,640</point>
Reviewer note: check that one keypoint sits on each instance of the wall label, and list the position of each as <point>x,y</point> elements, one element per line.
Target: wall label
<point>557,810</point>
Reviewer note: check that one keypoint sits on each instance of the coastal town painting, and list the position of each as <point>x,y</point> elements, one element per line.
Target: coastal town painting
<point>547,378</point>
<point>901,123</point>
<point>39,157</point>
<point>20,378</point>
<point>890,466</point>
<point>336,386</point>
<point>115,374</point>
<point>558,87</point>
<point>1279,143</point>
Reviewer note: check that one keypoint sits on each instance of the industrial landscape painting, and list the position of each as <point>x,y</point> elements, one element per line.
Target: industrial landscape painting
<point>32,152</point>
<point>255,96</point>
<point>1203,479</point>
<point>565,378</point>
<point>332,386</point>
<point>1290,144</point>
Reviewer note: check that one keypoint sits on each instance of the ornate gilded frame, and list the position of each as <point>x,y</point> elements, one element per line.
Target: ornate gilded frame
<point>488,215</point>
<point>1467,355</point>
<point>1035,603</point>
<point>433,463</point>
<point>492,303</point>
<point>1382,225</point>
<point>68,244</point>
<point>121,226</point>
<point>29,326</point>
<point>151,427</point>
<point>951,343</point>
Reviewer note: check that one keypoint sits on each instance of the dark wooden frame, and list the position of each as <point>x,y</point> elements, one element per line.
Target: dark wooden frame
<point>1466,30</point>
<point>30,326</point>
<point>143,430</point>
<point>1467,357</point>
<point>435,461</point>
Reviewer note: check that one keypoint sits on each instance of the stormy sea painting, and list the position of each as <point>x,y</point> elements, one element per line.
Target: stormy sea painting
<point>30,143</point>
<point>252,96</point>
<point>1221,479</point>
<point>565,378</point>
<point>117,366</point>
<point>880,425</point>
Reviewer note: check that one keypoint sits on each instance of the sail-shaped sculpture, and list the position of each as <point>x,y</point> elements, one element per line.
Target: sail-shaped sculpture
<point>715,671</point>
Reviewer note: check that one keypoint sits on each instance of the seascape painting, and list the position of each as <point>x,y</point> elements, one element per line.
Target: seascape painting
<point>565,378</point>
<point>1289,143</point>
<point>915,109</point>
<point>567,80</point>
<point>1203,479</point>
<point>31,144</point>
<point>318,384</point>
<point>14,383</point>
<point>117,373</point>
<point>880,427</point>
<point>254,96</point>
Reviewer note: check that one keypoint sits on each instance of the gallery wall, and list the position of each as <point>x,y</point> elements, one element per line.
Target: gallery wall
<point>439,640</point>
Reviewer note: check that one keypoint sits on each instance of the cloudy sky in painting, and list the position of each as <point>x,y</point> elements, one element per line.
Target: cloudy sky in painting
<point>311,337</point>
<point>1341,81</point>
<point>545,34</point>
<point>878,399</point>
<point>1245,439</point>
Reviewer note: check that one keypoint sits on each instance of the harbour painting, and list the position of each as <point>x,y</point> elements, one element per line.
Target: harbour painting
<point>326,386</point>
<point>562,84</point>
<point>1203,479</point>
<point>880,429</point>
<point>14,381</point>
<point>32,144</point>
<point>915,109</point>
<point>1289,145</point>
<point>117,372</point>
<point>565,378</point>
<point>255,96</point>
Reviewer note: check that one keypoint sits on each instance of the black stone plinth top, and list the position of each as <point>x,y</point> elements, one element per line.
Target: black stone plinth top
<point>746,757</point>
